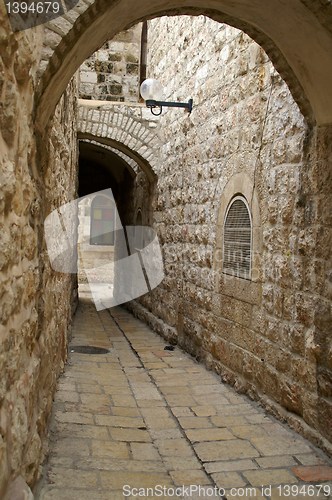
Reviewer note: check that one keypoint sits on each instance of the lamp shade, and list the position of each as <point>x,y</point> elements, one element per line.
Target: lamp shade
<point>151,89</point>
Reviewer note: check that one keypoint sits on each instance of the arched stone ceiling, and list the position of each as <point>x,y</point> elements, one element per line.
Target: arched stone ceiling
<point>123,128</point>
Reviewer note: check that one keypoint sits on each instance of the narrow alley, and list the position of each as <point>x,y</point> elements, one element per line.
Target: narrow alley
<point>140,416</point>
<point>174,156</point>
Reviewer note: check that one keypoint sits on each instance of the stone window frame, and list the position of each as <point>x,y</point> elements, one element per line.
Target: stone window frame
<point>231,203</point>
<point>239,184</point>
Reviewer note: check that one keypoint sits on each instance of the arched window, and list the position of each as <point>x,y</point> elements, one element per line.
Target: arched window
<point>102,228</point>
<point>237,239</point>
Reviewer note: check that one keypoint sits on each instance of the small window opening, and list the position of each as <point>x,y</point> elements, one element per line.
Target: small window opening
<point>237,239</point>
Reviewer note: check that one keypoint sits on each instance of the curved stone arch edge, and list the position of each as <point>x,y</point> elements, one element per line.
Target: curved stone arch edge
<point>111,153</point>
<point>144,165</point>
<point>59,72</point>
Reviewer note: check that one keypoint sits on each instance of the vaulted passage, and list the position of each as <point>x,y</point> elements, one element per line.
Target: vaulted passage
<point>214,225</point>
<point>100,169</point>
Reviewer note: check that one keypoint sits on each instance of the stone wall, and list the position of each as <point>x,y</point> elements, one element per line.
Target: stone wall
<point>269,336</point>
<point>112,72</point>
<point>34,310</point>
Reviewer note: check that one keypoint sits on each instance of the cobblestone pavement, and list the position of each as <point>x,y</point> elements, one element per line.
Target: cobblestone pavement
<point>144,417</point>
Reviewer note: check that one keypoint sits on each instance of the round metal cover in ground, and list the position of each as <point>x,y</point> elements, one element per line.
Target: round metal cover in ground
<point>88,349</point>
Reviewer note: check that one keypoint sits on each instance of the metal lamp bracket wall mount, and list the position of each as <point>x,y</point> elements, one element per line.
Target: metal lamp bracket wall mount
<point>152,92</point>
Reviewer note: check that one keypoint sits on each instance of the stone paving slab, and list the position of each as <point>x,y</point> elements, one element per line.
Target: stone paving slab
<point>141,417</point>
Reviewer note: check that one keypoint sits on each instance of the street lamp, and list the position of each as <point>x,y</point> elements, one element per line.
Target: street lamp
<point>152,92</point>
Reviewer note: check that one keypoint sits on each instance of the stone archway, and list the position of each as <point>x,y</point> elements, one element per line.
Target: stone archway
<point>124,128</point>
<point>296,35</point>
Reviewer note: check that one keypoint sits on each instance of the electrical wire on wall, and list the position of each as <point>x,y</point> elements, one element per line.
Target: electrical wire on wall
<point>261,142</point>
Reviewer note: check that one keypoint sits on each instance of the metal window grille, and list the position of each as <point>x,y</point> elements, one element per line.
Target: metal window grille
<point>237,239</point>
